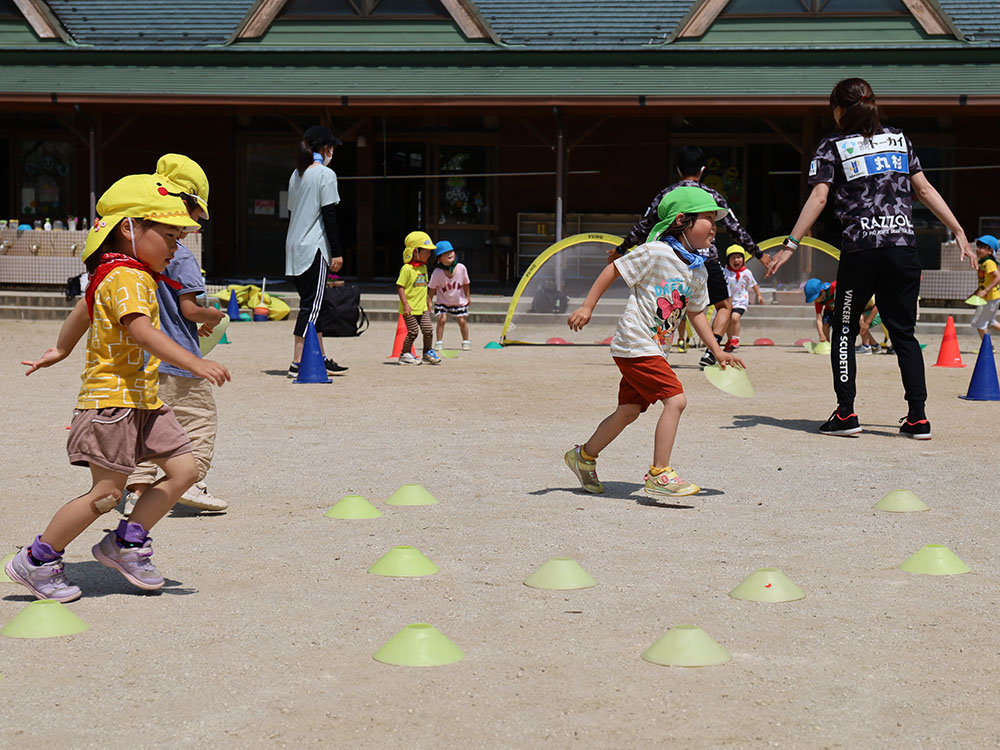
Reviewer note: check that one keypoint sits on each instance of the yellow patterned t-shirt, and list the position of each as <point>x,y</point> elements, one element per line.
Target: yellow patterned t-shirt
<point>117,371</point>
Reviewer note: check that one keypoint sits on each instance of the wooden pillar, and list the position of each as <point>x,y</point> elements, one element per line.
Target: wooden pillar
<point>805,158</point>
<point>366,207</point>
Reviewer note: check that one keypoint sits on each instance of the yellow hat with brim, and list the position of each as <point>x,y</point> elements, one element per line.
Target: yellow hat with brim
<point>187,174</point>
<point>413,241</point>
<point>734,249</point>
<point>138,196</point>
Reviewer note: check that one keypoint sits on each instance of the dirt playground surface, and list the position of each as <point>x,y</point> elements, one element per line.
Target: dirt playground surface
<point>264,634</point>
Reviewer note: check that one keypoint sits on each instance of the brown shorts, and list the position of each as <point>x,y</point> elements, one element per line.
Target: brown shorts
<point>646,380</point>
<point>118,438</point>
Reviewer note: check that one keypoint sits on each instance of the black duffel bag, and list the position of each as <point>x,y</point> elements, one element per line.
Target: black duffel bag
<point>341,313</point>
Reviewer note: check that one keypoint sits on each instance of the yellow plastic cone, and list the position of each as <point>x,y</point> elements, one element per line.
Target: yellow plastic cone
<point>419,645</point>
<point>404,562</point>
<point>767,585</point>
<point>686,646</point>
<point>44,618</point>
<point>411,494</point>
<point>4,578</point>
<point>353,506</point>
<point>901,501</point>
<point>821,347</point>
<point>561,573</point>
<point>934,560</point>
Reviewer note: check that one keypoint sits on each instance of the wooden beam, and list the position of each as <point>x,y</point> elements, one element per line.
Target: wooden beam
<point>781,133</point>
<point>701,18</point>
<point>42,22</point>
<point>118,131</point>
<point>468,20</point>
<point>258,20</point>
<point>932,18</point>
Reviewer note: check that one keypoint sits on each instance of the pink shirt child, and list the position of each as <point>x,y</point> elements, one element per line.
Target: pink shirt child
<point>450,291</point>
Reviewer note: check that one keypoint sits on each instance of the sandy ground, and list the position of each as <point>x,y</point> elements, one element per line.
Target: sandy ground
<point>264,634</point>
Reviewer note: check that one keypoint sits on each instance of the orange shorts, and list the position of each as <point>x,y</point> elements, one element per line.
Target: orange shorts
<point>646,380</point>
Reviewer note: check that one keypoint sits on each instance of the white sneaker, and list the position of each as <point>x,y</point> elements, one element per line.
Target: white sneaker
<point>408,359</point>
<point>199,497</point>
<point>438,345</point>
<point>466,346</point>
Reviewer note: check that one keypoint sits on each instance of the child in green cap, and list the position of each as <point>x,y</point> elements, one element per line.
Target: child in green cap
<point>666,279</point>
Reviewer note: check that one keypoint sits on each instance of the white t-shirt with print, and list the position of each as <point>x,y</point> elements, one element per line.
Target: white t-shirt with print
<point>662,289</point>
<point>306,196</point>
<point>739,288</point>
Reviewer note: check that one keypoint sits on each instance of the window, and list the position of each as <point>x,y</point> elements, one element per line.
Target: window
<point>814,7</point>
<point>45,179</point>
<point>323,9</point>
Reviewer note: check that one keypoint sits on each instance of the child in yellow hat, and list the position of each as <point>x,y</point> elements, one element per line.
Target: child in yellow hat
<point>741,282</point>
<point>119,418</point>
<point>411,285</point>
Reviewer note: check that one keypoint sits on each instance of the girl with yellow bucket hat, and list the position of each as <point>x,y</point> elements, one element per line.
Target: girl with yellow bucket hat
<point>119,418</point>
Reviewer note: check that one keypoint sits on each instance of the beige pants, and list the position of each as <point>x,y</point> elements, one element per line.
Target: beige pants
<point>192,402</point>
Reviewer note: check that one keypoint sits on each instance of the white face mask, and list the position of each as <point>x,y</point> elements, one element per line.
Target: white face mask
<point>698,250</point>
<point>327,159</point>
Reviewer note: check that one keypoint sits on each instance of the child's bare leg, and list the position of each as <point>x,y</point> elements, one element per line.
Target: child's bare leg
<point>441,320</point>
<point>735,326</point>
<point>666,429</point>
<point>179,473</point>
<point>75,516</point>
<point>463,326</point>
<point>611,428</point>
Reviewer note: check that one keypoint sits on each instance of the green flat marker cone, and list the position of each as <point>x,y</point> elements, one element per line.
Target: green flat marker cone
<point>561,573</point>
<point>686,646</point>
<point>4,578</point>
<point>822,347</point>
<point>419,645</point>
<point>767,585</point>
<point>44,618</point>
<point>449,353</point>
<point>934,560</point>
<point>411,494</point>
<point>901,501</point>
<point>493,345</point>
<point>404,562</point>
<point>809,346</point>
<point>353,506</point>
<point>225,338</point>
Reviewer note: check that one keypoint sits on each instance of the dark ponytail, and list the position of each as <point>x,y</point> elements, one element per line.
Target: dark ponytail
<point>857,100</point>
<point>304,158</point>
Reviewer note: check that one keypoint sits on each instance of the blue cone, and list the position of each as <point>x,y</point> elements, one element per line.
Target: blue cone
<point>984,385</point>
<point>312,368</point>
<point>234,307</point>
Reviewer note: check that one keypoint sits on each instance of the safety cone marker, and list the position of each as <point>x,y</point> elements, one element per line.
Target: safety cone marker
<point>233,311</point>
<point>686,646</point>
<point>404,562</point>
<point>397,345</point>
<point>44,618</point>
<point>934,560</point>
<point>312,368</point>
<point>560,574</point>
<point>419,645</point>
<point>949,355</point>
<point>767,585</point>
<point>353,507</point>
<point>411,494</point>
<point>984,385</point>
<point>901,501</point>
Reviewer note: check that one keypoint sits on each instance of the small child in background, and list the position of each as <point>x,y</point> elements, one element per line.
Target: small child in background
<point>449,293</point>
<point>740,281</point>
<point>822,294</point>
<point>989,279</point>
<point>119,418</point>
<point>411,285</point>
<point>869,318</point>
<point>666,279</point>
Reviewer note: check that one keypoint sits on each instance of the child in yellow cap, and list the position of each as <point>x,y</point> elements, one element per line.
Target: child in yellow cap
<point>119,418</point>
<point>411,285</point>
<point>741,282</point>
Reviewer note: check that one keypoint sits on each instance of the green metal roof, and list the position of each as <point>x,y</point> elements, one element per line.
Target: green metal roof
<point>978,20</point>
<point>340,78</point>
<point>368,34</point>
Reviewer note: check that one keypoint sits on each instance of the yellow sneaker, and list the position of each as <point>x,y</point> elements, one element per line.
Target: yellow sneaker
<point>668,484</point>
<point>586,471</point>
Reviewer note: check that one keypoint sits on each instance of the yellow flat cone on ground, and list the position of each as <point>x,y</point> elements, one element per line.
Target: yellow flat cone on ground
<point>767,585</point>
<point>44,618</point>
<point>419,645</point>
<point>560,573</point>
<point>686,646</point>
<point>411,494</point>
<point>821,347</point>
<point>404,562</point>
<point>4,578</point>
<point>901,501</point>
<point>934,560</point>
<point>809,346</point>
<point>353,506</point>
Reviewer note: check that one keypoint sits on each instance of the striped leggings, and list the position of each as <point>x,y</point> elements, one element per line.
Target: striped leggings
<point>414,326</point>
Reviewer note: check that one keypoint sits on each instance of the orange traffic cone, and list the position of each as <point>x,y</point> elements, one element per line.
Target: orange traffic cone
<point>949,356</point>
<point>397,346</point>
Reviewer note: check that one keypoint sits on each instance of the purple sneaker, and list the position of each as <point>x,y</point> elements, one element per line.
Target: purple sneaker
<point>45,581</point>
<point>132,562</point>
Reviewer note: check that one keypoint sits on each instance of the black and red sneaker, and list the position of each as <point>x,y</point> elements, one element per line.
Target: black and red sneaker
<point>918,430</point>
<point>838,425</point>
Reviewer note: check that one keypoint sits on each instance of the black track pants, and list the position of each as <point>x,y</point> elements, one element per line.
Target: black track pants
<point>892,274</point>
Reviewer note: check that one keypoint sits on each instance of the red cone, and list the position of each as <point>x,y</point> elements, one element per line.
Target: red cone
<point>397,346</point>
<point>949,356</point>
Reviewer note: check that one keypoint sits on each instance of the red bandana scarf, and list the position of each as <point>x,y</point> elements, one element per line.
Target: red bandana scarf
<point>111,261</point>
